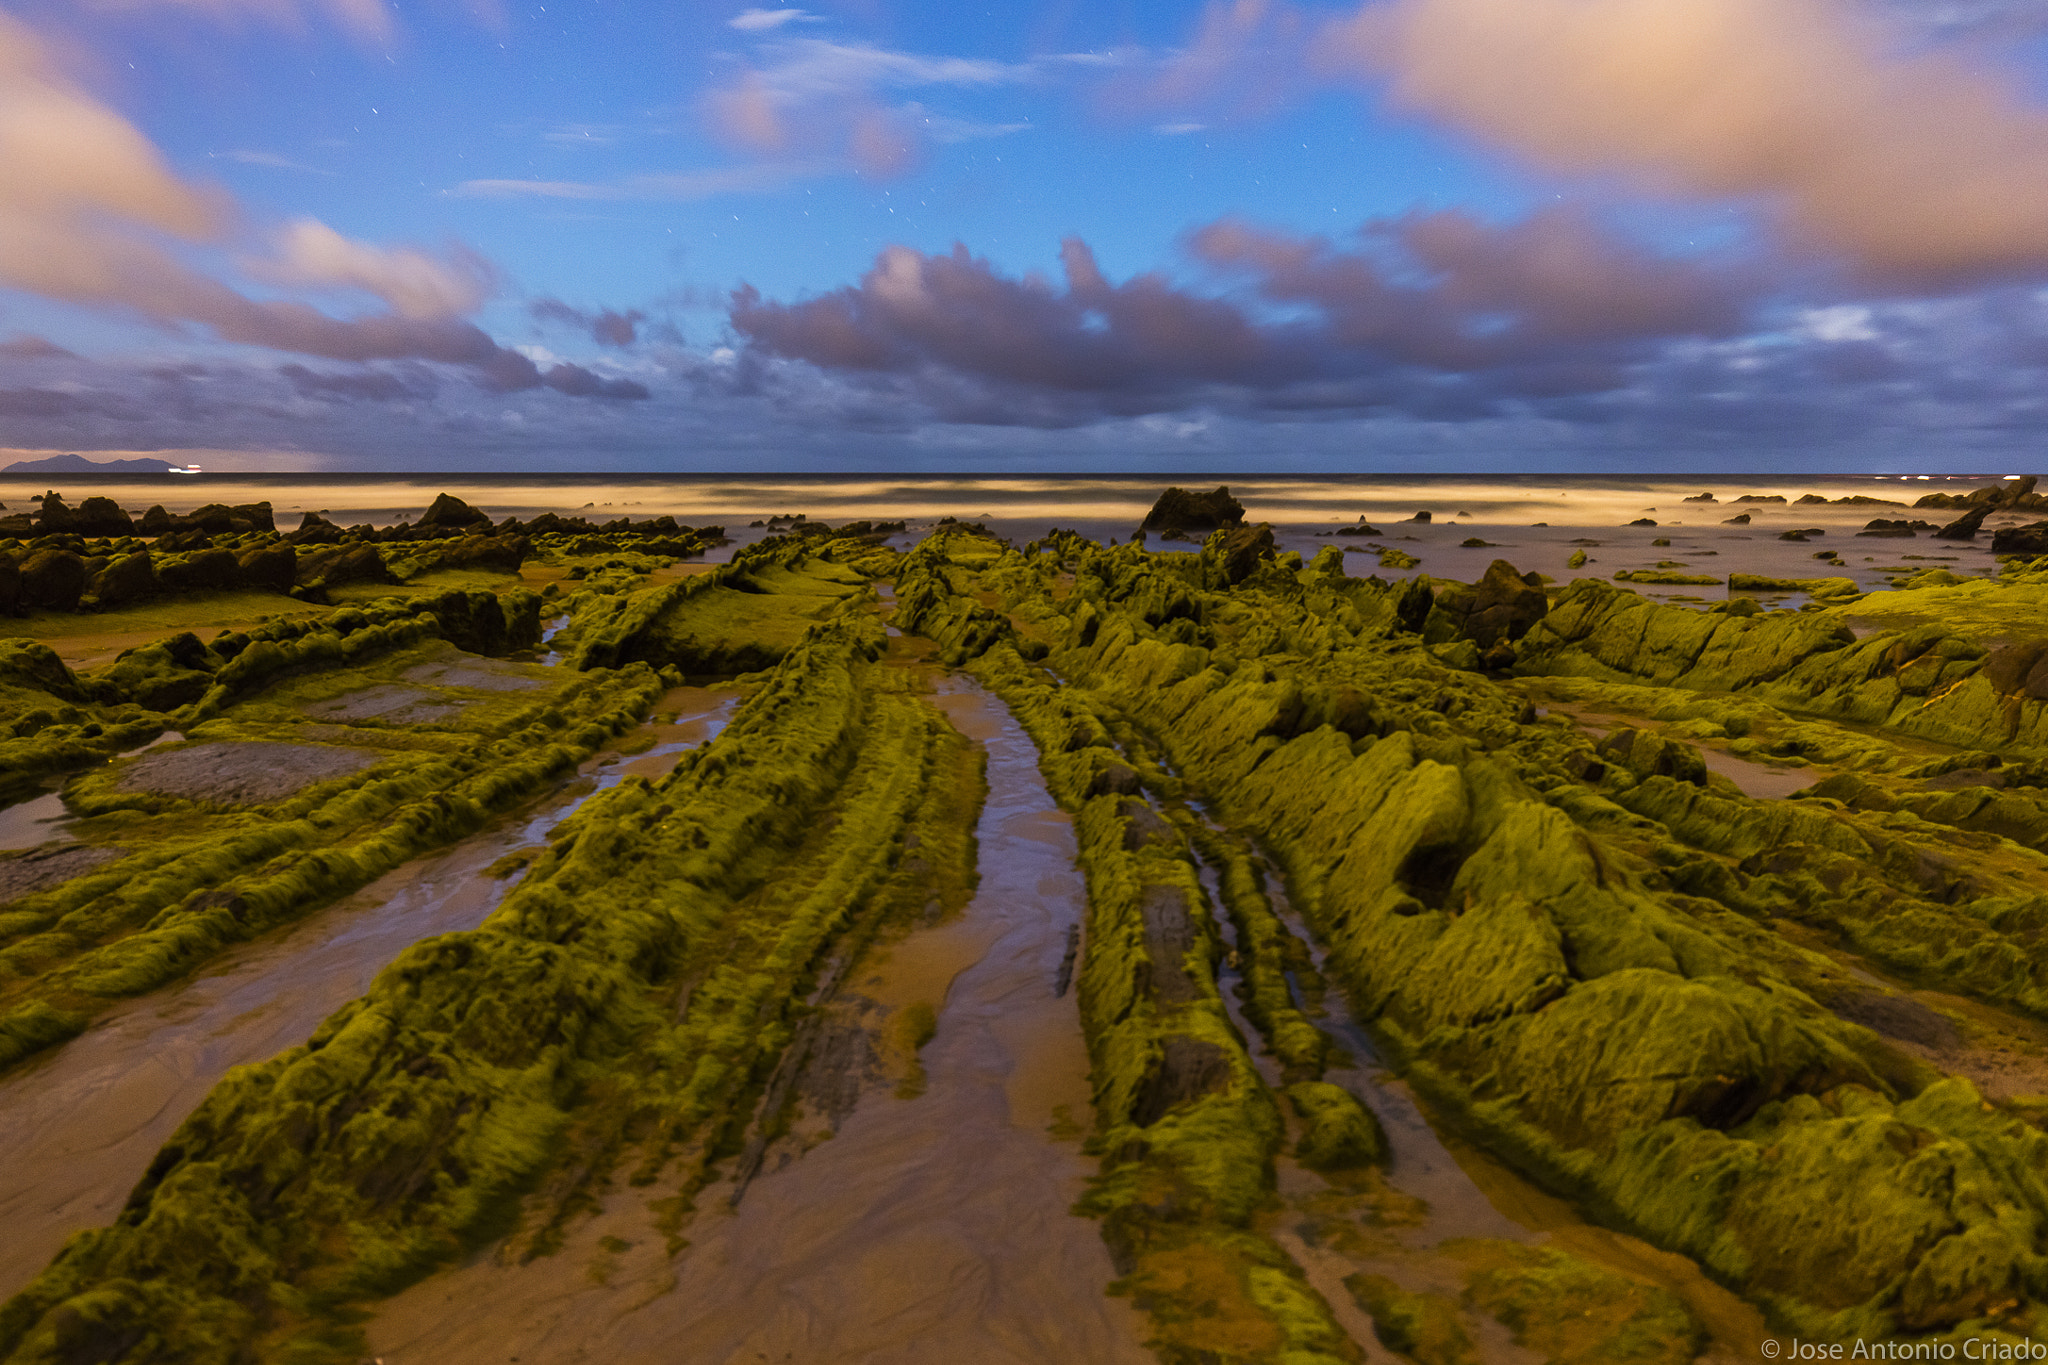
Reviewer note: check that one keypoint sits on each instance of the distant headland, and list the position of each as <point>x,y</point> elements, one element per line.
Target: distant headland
<point>78,464</point>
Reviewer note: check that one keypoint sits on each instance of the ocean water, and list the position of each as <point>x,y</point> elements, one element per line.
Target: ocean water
<point>1533,522</point>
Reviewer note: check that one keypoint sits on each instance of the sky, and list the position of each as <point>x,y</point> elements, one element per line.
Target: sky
<point>1134,236</point>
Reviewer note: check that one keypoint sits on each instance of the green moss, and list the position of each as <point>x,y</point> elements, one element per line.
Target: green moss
<point>1424,1327</point>
<point>1337,1132</point>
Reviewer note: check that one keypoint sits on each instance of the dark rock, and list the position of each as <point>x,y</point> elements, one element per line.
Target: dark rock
<point>1421,517</point>
<point>315,529</point>
<point>156,522</point>
<point>10,585</point>
<point>55,519</point>
<point>1146,828</point>
<point>1179,509</point>
<point>1761,497</point>
<point>452,513</point>
<point>1185,1070</point>
<point>1651,755</point>
<point>203,571</point>
<point>1361,529</point>
<point>1894,530</point>
<point>339,564</point>
<point>504,552</point>
<point>101,517</point>
<point>1170,935</point>
<point>269,568</point>
<point>2030,541</point>
<point>1236,554</point>
<point>1808,499</point>
<point>1965,527</point>
<point>474,621</point>
<point>127,579</point>
<point>1474,543</point>
<point>1502,605</point>
<point>2009,665</point>
<point>1739,519</point>
<point>1702,497</point>
<point>1644,521</point>
<point>53,580</point>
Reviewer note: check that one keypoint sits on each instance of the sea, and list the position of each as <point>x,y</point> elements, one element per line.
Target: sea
<point>1535,522</point>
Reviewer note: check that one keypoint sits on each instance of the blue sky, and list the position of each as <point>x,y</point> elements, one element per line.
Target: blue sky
<point>1408,234</point>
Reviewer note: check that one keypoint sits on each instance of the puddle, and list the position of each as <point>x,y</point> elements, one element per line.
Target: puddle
<point>887,593</point>
<point>41,819</point>
<point>927,1231</point>
<point>1761,781</point>
<point>27,824</point>
<point>548,631</point>
<point>80,1124</point>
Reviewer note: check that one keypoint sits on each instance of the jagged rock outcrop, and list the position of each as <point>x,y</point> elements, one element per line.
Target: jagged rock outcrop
<point>1183,510</point>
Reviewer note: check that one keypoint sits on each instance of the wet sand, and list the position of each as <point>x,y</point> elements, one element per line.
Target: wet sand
<point>927,1231</point>
<point>79,1125</point>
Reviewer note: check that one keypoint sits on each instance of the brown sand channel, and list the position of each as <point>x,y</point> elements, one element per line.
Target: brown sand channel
<point>928,1231</point>
<point>79,1126</point>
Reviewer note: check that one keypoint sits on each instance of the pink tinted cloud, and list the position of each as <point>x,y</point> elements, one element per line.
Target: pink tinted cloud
<point>1918,168</point>
<point>814,98</point>
<point>90,214</point>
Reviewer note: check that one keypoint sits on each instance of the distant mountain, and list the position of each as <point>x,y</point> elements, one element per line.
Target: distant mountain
<point>78,464</point>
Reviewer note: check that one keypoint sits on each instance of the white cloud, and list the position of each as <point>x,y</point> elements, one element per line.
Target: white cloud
<point>761,20</point>
<point>245,157</point>
<point>1177,129</point>
<point>679,186</point>
<point>1843,322</point>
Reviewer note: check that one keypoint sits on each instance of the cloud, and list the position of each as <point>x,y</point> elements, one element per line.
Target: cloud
<point>24,346</point>
<point>244,157</point>
<point>415,285</point>
<point>91,215</point>
<point>606,326</point>
<point>1916,168</point>
<point>578,382</point>
<point>1437,312</point>
<point>1244,58</point>
<point>812,97</point>
<point>368,21</point>
<point>761,20</point>
<point>371,385</point>
<point>671,186</point>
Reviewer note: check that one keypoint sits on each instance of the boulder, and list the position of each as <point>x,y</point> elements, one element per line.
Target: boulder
<point>203,571</point>
<point>1230,557</point>
<point>1180,509</point>
<point>315,529</point>
<point>268,568</point>
<point>2030,541</point>
<point>344,564</point>
<point>101,517</point>
<point>1739,519</point>
<point>1651,755</point>
<point>127,579</point>
<point>502,552</point>
<point>10,585</point>
<point>55,519</point>
<point>1502,605</point>
<point>53,580</point>
<point>452,513</point>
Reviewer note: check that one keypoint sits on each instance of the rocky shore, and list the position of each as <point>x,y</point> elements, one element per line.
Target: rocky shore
<point>1373,867</point>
